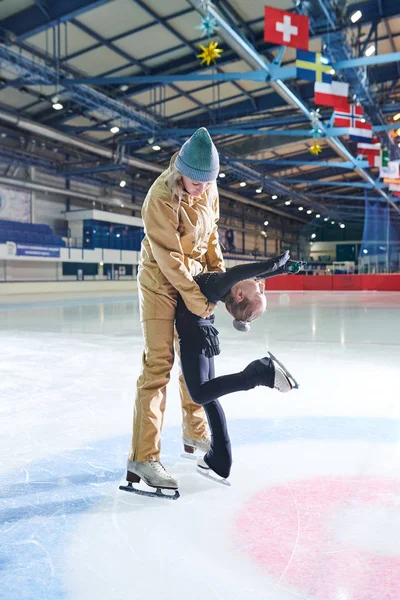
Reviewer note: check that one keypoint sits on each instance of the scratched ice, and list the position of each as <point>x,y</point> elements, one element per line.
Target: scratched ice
<point>313,510</point>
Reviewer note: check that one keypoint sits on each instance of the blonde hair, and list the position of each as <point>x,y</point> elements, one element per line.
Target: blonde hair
<point>245,310</point>
<point>173,180</point>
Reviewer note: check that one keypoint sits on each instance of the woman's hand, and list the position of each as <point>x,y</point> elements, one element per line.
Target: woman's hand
<point>210,310</point>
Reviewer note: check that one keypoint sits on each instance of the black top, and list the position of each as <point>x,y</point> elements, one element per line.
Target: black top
<point>215,286</point>
<point>197,334</point>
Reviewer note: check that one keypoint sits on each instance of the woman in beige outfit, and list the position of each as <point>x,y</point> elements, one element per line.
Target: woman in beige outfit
<point>180,215</point>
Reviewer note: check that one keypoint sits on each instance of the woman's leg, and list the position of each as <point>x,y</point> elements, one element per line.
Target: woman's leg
<point>157,362</point>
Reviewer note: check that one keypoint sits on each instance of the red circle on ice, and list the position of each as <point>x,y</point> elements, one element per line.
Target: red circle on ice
<point>301,534</point>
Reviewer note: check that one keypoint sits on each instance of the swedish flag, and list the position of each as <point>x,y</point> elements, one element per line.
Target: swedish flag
<point>313,66</point>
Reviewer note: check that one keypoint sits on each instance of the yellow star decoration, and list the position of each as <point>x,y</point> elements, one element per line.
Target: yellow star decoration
<point>315,148</point>
<point>209,53</point>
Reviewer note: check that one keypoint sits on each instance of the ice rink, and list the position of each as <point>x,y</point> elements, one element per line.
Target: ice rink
<point>313,510</point>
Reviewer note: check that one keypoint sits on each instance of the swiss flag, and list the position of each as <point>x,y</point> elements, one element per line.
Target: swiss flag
<point>286,28</point>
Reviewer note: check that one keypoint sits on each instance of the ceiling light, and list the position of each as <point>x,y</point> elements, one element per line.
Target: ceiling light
<point>311,243</point>
<point>274,197</point>
<point>3,134</point>
<point>356,16</point>
<point>122,205</point>
<point>326,219</point>
<point>243,184</point>
<point>318,216</point>
<point>309,212</point>
<point>342,225</point>
<point>102,264</point>
<point>301,208</point>
<point>123,87</point>
<point>398,145</point>
<point>264,233</point>
<point>396,117</point>
<point>313,236</point>
<point>370,50</point>
<point>288,202</point>
<point>325,60</point>
<point>122,183</point>
<point>156,147</point>
<point>57,104</point>
<point>258,191</point>
<point>332,71</point>
<point>222,175</point>
<point>265,223</point>
<point>365,251</point>
<point>332,222</point>
<point>114,129</point>
<point>362,120</point>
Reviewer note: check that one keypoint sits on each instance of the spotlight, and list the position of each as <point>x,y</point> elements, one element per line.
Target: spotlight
<point>318,216</point>
<point>114,129</point>
<point>309,212</point>
<point>365,251</point>
<point>396,117</point>
<point>258,191</point>
<point>342,225</point>
<point>156,147</point>
<point>301,208</point>
<point>122,183</point>
<point>265,223</point>
<point>326,219</point>
<point>56,103</point>
<point>102,264</point>
<point>332,71</point>
<point>325,60</point>
<point>123,87</point>
<point>313,236</point>
<point>274,197</point>
<point>356,16</point>
<point>222,175</point>
<point>243,184</point>
<point>370,50</point>
<point>332,222</point>
<point>122,205</point>
<point>288,202</point>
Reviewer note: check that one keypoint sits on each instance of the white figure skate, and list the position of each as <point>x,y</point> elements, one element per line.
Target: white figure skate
<point>154,475</point>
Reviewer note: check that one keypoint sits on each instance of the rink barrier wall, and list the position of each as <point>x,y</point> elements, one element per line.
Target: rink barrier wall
<point>379,283</point>
<point>65,287</point>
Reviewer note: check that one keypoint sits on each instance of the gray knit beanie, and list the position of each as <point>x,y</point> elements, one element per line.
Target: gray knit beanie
<point>198,158</point>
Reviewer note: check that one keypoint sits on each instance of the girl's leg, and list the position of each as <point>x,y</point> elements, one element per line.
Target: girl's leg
<point>219,457</point>
<point>203,389</point>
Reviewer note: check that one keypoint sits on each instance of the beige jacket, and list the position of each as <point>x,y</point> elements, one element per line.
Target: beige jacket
<point>181,241</point>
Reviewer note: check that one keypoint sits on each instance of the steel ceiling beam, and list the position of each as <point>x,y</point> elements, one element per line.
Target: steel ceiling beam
<point>251,56</point>
<point>32,20</point>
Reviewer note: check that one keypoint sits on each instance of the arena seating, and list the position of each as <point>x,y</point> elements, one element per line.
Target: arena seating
<point>28,233</point>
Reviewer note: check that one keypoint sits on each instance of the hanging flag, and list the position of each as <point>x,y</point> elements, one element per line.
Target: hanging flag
<point>394,188</point>
<point>331,94</point>
<point>351,117</point>
<point>286,28</point>
<point>389,168</point>
<point>313,66</point>
<point>372,152</point>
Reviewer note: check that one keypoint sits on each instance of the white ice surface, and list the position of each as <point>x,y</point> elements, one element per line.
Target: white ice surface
<point>67,381</point>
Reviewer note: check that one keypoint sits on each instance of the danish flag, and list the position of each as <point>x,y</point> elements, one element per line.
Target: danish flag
<point>371,151</point>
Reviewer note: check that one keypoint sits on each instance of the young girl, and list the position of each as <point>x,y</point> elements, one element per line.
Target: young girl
<point>242,290</point>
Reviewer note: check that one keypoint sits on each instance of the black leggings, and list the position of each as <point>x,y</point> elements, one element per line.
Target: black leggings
<point>204,388</point>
